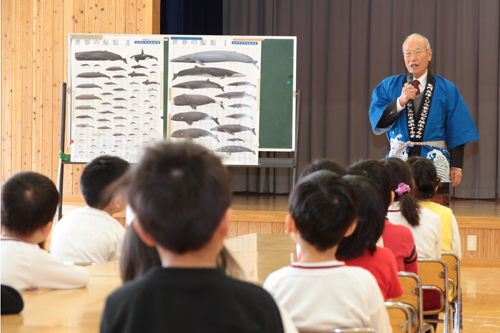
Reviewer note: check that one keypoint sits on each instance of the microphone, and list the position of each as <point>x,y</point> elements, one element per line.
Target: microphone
<point>409,80</point>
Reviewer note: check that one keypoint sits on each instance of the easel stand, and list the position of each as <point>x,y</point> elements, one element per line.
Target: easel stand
<point>263,162</point>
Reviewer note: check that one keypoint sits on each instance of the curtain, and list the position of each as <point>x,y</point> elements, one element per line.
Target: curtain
<point>347,47</point>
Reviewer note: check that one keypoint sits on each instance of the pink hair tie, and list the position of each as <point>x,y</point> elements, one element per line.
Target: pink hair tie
<point>402,189</point>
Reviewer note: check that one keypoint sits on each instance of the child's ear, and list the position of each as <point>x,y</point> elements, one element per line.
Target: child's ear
<point>351,228</point>
<point>224,223</point>
<point>146,238</point>
<point>291,228</point>
<point>46,229</point>
<point>393,195</point>
<point>119,202</point>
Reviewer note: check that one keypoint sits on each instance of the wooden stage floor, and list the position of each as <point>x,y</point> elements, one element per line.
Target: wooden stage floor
<point>279,203</point>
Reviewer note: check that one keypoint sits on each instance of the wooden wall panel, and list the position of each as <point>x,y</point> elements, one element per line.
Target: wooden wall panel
<point>34,61</point>
<point>47,87</point>
<point>6,91</point>
<point>37,146</point>
<point>17,84</point>
<point>58,79</point>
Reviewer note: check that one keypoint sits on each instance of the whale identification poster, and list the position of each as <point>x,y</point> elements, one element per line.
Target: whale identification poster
<point>116,95</point>
<point>214,89</point>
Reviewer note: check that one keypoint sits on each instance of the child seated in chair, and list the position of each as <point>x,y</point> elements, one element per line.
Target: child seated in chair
<point>426,184</point>
<point>90,234</point>
<point>29,202</point>
<point>181,195</point>
<point>319,292</point>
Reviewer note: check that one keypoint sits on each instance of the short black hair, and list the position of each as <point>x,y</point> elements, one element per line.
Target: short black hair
<point>378,173</point>
<point>29,201</point>
<point>324,164</point>
<point>180,192</point>
<point>96,177</point>
<point>425,176</point>
<point>323,206</point>
<point>371,220</point>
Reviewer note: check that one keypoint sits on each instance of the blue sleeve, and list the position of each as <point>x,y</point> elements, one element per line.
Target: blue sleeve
<point>385,93</point>
<point>460,128</point>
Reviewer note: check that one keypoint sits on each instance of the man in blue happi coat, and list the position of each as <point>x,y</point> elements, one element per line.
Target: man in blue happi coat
<point>429,118</point>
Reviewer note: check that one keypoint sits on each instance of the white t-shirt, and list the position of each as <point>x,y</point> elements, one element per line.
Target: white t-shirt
<point>328,295</point>
<point>87,234</point>
<point>428,235</point>
<point>27,266</point>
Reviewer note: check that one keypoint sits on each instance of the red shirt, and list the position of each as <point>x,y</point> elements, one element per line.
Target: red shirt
<point>399,240</point>
<point>383,267</point>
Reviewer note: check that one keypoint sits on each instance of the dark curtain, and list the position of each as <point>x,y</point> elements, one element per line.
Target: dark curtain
<point>191,17</point>
<point>346,47</point>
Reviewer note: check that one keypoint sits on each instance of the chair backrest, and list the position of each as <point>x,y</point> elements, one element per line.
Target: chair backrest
<point>453,263</point>
<point>412,295</point>
<point>401,316</point>
<point>433,273</point>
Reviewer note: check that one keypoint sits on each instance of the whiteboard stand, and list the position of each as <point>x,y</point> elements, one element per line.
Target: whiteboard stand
<point>268,162</point>
<point>265,162</point>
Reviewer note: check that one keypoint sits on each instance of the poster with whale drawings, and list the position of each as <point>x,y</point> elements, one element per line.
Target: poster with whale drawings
<point>116,94</point>
<point>214,89</point>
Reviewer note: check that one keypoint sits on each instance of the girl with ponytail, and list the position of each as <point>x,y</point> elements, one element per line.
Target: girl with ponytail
<point>423,223</point>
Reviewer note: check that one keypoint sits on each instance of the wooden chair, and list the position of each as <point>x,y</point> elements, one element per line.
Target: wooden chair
<point>455,290</point>
<point>401,316</point>
<point>412,295</point>
<point>433,273</point>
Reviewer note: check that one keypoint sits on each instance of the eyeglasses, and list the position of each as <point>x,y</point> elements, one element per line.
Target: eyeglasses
<point>417,54</point>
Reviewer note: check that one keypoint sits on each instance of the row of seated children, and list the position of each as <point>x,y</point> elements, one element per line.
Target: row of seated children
<point>85,235</point>
<point>181,249</point>
<point>181,194</point>
<point>395,182</point>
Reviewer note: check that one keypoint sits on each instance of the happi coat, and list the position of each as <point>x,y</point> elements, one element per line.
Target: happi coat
<point>442,122</point>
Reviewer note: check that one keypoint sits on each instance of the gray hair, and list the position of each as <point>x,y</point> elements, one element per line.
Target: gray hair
<point>427,44</point>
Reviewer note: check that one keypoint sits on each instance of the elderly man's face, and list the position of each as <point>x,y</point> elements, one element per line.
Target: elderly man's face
<point>416,56</point>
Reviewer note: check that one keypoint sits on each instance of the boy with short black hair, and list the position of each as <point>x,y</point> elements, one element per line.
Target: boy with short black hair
<point>319,292</point>
<point>29,202</point>
<point>90,234</point>
<point>181,195</point>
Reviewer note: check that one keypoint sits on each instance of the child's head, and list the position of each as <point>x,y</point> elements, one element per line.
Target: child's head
<point>137,258</point>
<point>29,202</point>
<point>371,220</point>
<point>402,184</point>
<point>324,164</point>
<point>97,176</point>
<point>378,173</point>
<point>180,193</point>
<point>323,207</point>
<point>425,176</point>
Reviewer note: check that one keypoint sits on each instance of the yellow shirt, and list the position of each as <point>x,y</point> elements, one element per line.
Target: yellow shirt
<point>446,216</point>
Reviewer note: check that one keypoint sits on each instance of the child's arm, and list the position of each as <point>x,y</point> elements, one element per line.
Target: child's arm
<point>116,247</point>
<point>379,318</point>
<point>48,272</point>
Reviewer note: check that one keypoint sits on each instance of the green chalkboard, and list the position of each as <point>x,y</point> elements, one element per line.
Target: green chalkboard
<point>277,109</point>
<point>276,96</point>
